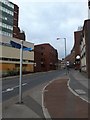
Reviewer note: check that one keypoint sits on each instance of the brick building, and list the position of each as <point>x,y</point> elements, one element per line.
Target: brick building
<point>85,48</point>
<point>71,57</point>
<point>17,33</point>
<point>82,48</point>
<point>46,57</point>
<point>77,38</point>
<point>9,13</point>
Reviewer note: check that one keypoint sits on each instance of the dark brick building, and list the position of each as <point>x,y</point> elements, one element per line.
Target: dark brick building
<point>77,39</point>
<point>17,33</point>
<point>71,57</point>
<point>46,57</point>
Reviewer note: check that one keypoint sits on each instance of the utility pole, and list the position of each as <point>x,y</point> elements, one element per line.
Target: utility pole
<point>65,53</point>
<point>65,56</point>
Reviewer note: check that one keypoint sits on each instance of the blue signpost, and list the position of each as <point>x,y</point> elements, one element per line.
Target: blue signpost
<point>27,49</point>
<point>22,48</point>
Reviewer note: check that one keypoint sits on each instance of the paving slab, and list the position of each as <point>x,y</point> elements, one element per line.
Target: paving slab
<point>31,107</point>
<point>19,111</point>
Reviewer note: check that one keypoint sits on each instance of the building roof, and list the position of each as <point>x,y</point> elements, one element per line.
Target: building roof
<point>45,44</point>
<point>85,22</point>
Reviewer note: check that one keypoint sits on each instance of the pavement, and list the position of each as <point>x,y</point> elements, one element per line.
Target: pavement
<point>30,108</point>
<point>80,84</point>
<point>59,100</point>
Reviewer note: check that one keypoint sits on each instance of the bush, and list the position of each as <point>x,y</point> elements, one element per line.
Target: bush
<point>12,73</point>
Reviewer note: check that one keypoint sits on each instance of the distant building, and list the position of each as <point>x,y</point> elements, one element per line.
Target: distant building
<point>46,57</point>
<point>77,38</point>
<point>10,55</point>
<point>85,48</point>
<point>59,63</point>
<point>71,57</point>
<point>9,13</point>
<point>63,64</point>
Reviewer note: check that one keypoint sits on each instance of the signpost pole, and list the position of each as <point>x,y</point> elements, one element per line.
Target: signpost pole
<point>20,81</point>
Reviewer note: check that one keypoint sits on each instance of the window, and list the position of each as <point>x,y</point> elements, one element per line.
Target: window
<point>0,32</point>
<point>17,65</point>
<point>43,59</point>
<point>5,18</point>
<point>10,35</point>
<point>7,26</point>
<point>14,59</point>
<point>6,10</point>
<point>0,24</point>
<point>42,53</point>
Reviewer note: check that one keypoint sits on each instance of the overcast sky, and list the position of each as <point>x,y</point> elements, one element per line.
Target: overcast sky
<point>44,21</point>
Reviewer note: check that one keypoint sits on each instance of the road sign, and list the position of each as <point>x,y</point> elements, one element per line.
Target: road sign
<point>17,45</point>
<point>27,49</point>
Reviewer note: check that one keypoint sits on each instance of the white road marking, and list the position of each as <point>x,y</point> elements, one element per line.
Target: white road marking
<point>75,93</point>
<point>24,84</point>
<point>45,110</point>
<point>45,90</point>
<point>80,91</point>
<point>16,86</point>
<point>11,89</point>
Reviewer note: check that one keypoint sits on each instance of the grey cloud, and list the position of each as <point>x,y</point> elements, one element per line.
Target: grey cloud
<point>44,22</point>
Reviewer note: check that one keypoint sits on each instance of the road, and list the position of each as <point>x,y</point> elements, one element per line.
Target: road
<point>10,86</point>
<point>32,86</point>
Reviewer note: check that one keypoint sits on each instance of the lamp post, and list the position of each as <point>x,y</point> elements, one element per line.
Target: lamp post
<point>65,53</point>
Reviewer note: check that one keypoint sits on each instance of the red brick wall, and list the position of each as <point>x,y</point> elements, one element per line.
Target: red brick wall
<point>16,29</point>
<point>77,38</point>
<point>45,57</point>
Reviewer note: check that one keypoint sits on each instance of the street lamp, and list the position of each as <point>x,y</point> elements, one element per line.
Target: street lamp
<point>78,57</point>
<point>65,52</point>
